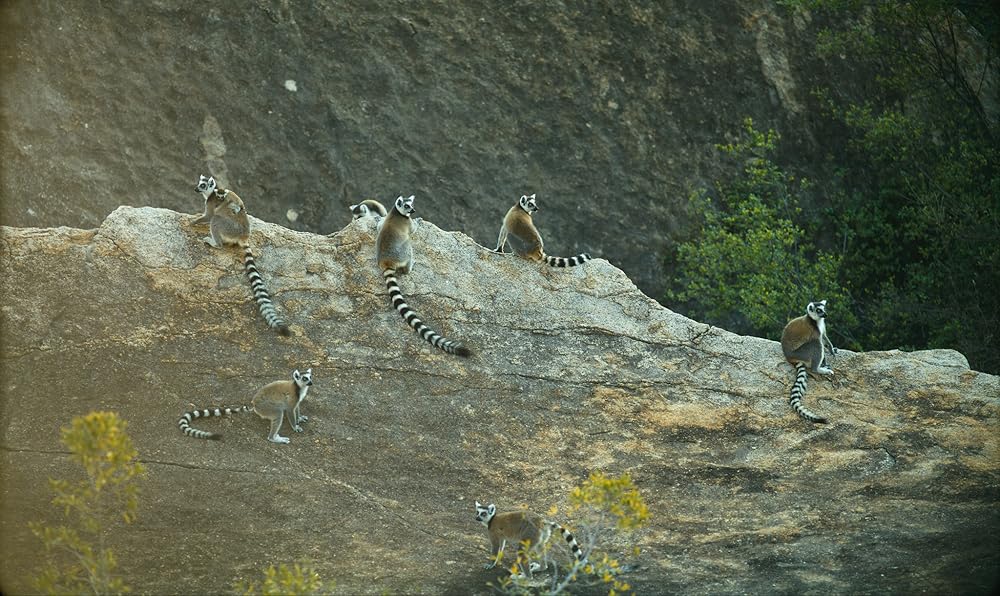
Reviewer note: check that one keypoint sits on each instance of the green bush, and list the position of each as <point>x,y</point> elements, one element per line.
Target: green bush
<point>79,560</point>
<point>750,265</point>
<point>919,196</point>
<point>299,579</point>
<point>604,506</point>
<point>909,223</point>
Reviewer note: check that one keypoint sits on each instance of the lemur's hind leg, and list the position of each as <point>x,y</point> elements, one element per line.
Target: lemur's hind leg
<point>811,354</point>
<point>822,367</point>
<point>273,436</point>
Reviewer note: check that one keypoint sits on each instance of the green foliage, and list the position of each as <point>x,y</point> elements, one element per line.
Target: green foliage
<point>919,188</point>
<point>913,209</point>
<point>750,267</point>
<point>605,507</point>
<point>914,53</point>
<point>284,580</point>
<point>79,562</point>
<point>616,497</point>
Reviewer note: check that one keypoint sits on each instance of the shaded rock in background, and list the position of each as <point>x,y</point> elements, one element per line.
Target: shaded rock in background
<point>609,112</point>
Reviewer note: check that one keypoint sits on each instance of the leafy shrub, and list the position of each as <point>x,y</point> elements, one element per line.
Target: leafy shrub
<point>919,180</point>
<point>299,579</point>
<point>79,561</point>
<point>604,506</point>
<point>751,266</point>
<point>910,220</point>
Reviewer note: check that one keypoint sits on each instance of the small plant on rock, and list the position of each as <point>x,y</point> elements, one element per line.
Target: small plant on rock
<point>606,507</point>
<point>79,560</point>
<point>299,579</point>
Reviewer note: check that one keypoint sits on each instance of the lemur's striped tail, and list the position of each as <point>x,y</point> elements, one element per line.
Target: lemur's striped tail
<point>429,335</point>
<point>798,390</point>
<point>579,259</point>
<point>570,542</point>
<point>185,421</point>
<point>260,294</point>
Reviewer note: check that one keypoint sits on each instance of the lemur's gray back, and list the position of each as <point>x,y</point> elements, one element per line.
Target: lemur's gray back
<point>394,249</point>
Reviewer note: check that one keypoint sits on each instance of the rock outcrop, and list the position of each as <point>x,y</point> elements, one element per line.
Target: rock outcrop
<point>574,370</point>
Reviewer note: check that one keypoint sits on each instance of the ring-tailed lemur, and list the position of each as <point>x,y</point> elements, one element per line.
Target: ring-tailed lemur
<point>272,402</point>
<point>230,226</point>
<point>394,252</point>
<point>368,207</point>
<point>519,230</point>
<point>517,527</point>
<point>804,342</point>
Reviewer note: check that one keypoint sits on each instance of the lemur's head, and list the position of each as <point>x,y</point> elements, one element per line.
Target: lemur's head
<point>303,379</point>
<point>816,310</point>
<point>405,206</point>
<point>359,211</point>
<point>485,514</point>
<point>528,204</point>
<point>206,184</point>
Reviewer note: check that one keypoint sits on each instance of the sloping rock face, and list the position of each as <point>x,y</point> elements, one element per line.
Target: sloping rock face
<point>574,370</point>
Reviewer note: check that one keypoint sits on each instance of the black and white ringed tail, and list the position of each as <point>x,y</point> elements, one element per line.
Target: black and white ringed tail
<point>185,420</point>
<point>799,390</point>
<point>261,296</point>
<point>408,314</point>
<point>579,259</point>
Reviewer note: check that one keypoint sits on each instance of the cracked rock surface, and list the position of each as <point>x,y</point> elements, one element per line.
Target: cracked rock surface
<point>574,370</point>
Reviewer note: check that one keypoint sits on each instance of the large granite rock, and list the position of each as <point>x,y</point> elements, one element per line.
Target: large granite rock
<point>574,370</point>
